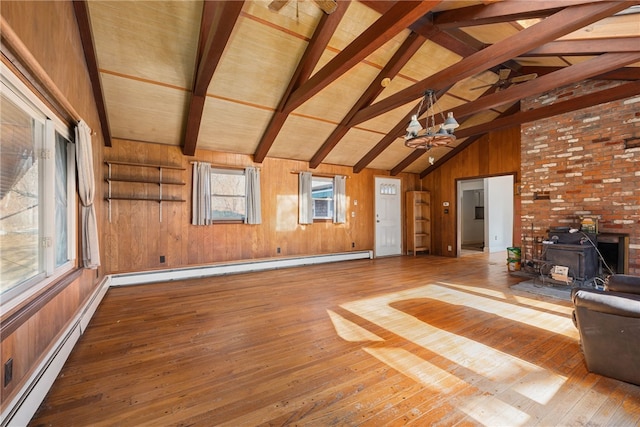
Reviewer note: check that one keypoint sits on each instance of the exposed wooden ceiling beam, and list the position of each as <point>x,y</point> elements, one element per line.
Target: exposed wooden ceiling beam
<point>396,20</point>
<point>609,95</point>
<point>319,41</point>
<point>549,29</point>
<point>380,6</point>
<point>504,11</point>
<point>623,91</point>
<point>218,20</point>
<point>563,76</point>
<point>417,153</point>
<point>425,27</point>
<point>84,26</point>
<point>410,46</point>
<point>454,40</point>
<point>386,140</point>
<point>626,73</point>
<point>515,108</point>
<point>585,47</point>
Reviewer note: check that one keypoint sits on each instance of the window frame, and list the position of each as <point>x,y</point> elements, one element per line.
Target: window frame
<point>330,201</point>
<point>228,220</point>
<point>48,272</point>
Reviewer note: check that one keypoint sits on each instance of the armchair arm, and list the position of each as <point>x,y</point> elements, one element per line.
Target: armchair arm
<point>623,283</point>
<point>616,303</point>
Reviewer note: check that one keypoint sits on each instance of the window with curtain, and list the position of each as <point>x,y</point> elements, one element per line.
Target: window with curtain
<point>228,195</point>
<point>221,194</point>
<point>321,198</point>
<point>37,190</point>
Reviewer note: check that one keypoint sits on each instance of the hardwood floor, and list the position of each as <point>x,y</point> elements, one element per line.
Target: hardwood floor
<point>404,340</point>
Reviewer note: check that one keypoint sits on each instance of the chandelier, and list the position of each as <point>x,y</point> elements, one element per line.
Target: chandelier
<point>426,138</point>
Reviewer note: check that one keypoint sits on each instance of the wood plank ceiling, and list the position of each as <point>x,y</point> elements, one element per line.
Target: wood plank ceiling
<point>339,88</point>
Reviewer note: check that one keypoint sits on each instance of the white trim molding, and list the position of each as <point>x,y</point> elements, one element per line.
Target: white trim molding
<point>232,268</point>
<point>26,402</point>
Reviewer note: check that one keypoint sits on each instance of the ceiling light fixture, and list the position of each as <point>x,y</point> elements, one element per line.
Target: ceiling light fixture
<point>426,138</point>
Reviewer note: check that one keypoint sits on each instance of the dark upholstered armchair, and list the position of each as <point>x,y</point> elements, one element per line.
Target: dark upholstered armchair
<point>609,325</point>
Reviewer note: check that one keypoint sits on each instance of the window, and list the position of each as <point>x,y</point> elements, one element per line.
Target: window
<point>228,195</point>
<point>322,195</point>
<point>37,187</point>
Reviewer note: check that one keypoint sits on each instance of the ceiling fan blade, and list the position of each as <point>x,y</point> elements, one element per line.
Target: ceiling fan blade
<point>276,5</point>
<point>327,6</point>
<point>524,78</point>
<point>503,74</point>
<point>480,87</point>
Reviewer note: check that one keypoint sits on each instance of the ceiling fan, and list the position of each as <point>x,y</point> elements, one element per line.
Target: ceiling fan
<point>504,81</point>
<point>327,6</point>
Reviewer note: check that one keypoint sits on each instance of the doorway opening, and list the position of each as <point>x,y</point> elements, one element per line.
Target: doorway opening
<point>485,214</point>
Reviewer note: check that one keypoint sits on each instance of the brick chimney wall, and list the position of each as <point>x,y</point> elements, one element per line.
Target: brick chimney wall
<point>581,164</point>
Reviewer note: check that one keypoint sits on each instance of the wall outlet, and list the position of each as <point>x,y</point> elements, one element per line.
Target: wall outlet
<point>353,244</point>
<point>162,259</point>
<point>449,248</point>
<point>277,250</point>
<point>8,372</point>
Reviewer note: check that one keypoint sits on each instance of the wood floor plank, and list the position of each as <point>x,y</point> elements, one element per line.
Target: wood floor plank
<point>391,341</point>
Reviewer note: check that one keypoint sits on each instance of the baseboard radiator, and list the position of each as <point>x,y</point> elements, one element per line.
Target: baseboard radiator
<point>155,276</point>
<point>24,405</point>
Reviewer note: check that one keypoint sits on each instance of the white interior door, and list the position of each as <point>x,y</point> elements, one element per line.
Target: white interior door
<point>388,232</point>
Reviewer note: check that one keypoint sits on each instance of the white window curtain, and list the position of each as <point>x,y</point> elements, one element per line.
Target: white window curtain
<point>86,191</point>
<point>201,195</point>
<point>254,209</point>
<point>305,201</point>
<point>339,199</point>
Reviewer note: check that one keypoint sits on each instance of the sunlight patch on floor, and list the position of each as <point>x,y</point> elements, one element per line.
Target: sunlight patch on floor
<point>495,373</point>
<point>551,322</point>
<point>536,303</point>
<point>539,386</point>
<point>349,331</point>
<point>490,411</point>
<point>416,368</point>
<point>473,355</point>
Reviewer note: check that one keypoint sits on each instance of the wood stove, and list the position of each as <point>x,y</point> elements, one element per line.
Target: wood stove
<point>577,251</point>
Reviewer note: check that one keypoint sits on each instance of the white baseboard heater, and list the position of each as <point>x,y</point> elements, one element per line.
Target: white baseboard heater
<point>155,276</point>
<point>24,405</point>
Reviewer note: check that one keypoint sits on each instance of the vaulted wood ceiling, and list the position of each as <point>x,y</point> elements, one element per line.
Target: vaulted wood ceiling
<point>339,88</point>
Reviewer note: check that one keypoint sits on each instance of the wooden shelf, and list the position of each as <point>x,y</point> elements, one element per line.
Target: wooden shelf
<point>147,199</point>
<point>418,210</point>
<point>142,181</point>
<point>143,165</point>
<point>159,181</point>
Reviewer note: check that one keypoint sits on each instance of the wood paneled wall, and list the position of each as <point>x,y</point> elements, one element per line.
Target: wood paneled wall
<point>135,238</point>
<point>49,30</point>
<point>497,153</point>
